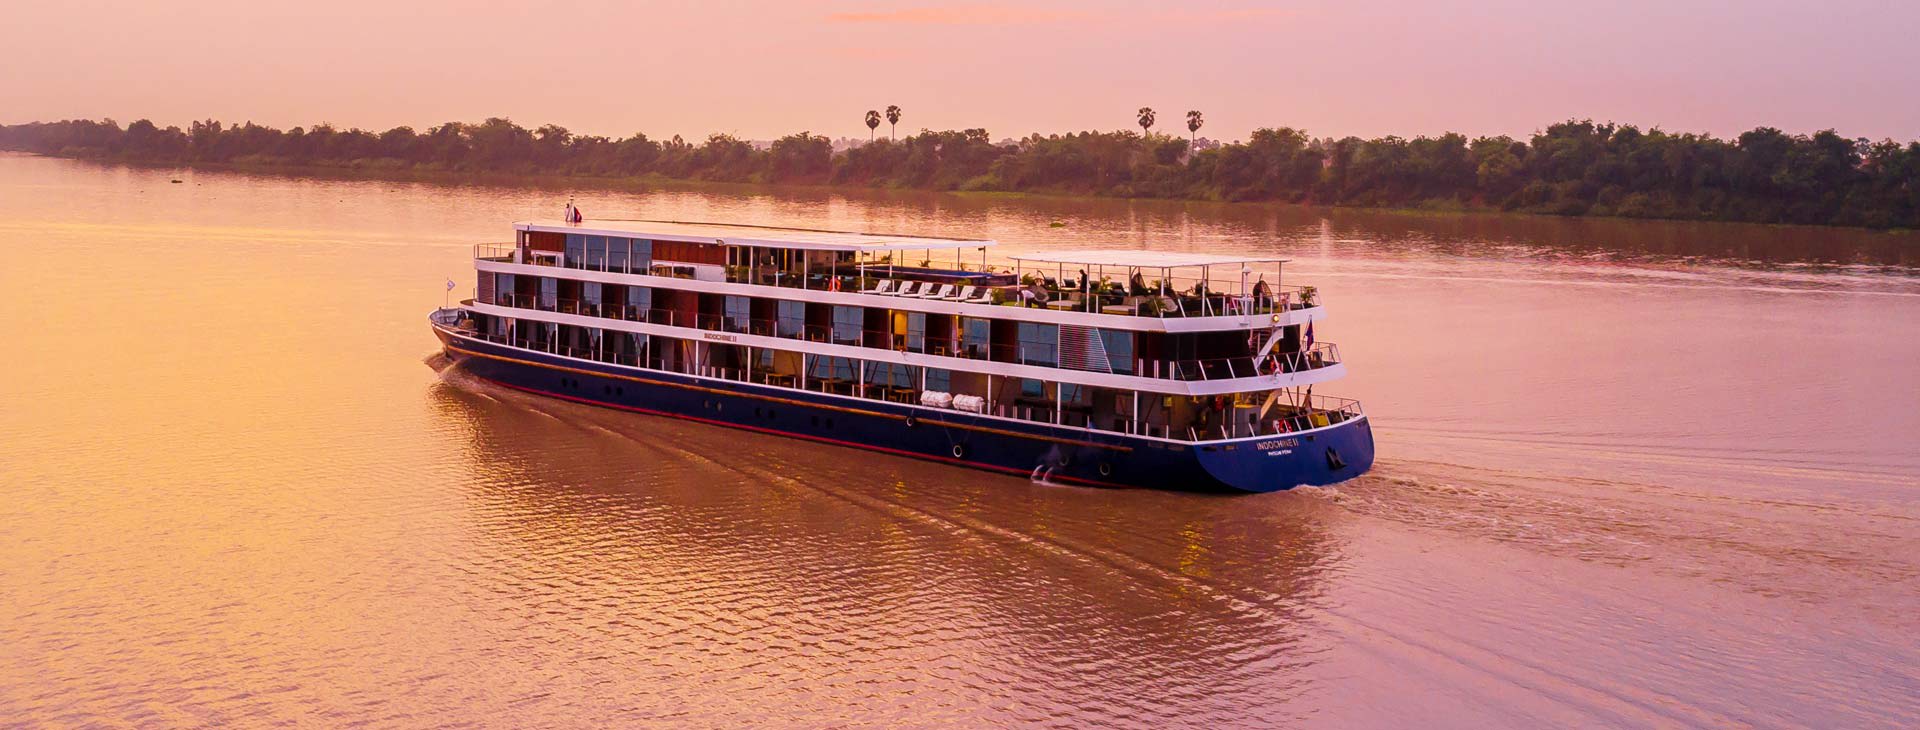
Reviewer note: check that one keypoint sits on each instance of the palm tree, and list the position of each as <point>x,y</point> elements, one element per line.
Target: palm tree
<point>893,118</point>
<point>873,123</point>
<point>1193,128</point>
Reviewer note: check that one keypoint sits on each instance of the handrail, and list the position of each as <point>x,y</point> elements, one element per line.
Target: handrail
<point>1109,298</point>
<point>1320,355</point>
<point>1299,412</point>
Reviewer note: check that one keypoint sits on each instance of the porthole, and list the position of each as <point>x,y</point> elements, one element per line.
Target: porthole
<point>771,413</point>
<point>959,451</point>
<point>815,420</point>
<point>829,422</point>
<point>1106,469</point>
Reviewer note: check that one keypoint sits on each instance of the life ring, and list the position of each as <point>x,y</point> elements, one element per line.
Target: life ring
<point>833,283</point>
<point>911,421</point>
<point>959,451</point>
<point>1106,469</point>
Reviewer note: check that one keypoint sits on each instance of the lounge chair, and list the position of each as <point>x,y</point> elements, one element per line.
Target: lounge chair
<point>986,297</point>
<point>966,292</point>
<point>910,289</point>
<point>884,287</point>
<point>940,291</point>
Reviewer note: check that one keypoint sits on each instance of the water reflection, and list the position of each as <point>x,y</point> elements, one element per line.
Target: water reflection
<point>788,567</point>
<point>1031,220</point>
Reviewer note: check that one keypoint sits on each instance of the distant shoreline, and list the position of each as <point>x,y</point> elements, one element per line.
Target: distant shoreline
<point>1574,169</point>
<point>524,180</point>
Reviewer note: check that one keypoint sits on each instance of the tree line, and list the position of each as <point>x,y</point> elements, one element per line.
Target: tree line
<point>1571,168</point>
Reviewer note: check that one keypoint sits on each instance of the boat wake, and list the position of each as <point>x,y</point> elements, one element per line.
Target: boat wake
<point>1825,551</point>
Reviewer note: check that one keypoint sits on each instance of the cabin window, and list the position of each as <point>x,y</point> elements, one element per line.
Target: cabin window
<point>847,324</point>
<point>590,292</point>
<point>739,311</point>
<point>1073,393</point>
<point>917,331</point>
<point>940,380</point>
<point>549,292</point>
<point>596,252</point>
<point>792,318</point>
<point>640,254</point>
<point>503,288</point>
<point>1030,388</point>
<point>1119,347</point>
<point>893,375</point>
<point>977,335</point>
<point>640,298</point>
<point>822,367</point>
<point>1039,343</point>
<point>575,249</point>
<point>617,253</point>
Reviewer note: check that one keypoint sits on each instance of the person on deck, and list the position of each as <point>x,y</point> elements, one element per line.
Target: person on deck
<point>1260,289</point>
<point>1138,285</point>
<point>1033,295</point>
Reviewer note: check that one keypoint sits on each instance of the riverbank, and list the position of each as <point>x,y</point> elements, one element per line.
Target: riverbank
<point>1575,168</point>
<point>1726,242</point>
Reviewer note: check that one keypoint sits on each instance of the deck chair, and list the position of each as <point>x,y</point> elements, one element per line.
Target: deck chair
<point>966,292</point>
<point>986,297</point>
<point>910,289</point>
<point>941,291</point>
<point>884,287</point>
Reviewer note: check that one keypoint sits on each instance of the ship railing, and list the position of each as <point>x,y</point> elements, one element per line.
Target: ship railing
<point>1320,355</point>
<point>1152,302</point>
<point>496,252</point>
<point>1176,297</point>
<point>1289,414</point>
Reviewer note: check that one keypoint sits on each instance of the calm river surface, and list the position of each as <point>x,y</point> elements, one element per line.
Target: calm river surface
<point>1631,474</point>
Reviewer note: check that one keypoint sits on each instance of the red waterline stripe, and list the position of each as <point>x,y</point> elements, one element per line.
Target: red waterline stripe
<point>790,434</point>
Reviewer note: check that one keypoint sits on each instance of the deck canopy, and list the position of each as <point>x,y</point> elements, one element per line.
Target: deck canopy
<point>1133,258</point>
<point>744,235</point>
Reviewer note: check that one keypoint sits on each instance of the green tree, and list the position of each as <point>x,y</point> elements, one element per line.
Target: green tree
<point>893,119</point>
<point>873,123</point>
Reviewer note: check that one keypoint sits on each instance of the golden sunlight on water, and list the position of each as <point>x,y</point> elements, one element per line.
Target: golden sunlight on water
<point>1632,474</point>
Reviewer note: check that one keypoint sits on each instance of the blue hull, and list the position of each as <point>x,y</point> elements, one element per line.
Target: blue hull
<point>1265,464</point>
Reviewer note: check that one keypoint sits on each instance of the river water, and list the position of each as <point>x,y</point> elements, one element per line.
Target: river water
<point>1630,474</point>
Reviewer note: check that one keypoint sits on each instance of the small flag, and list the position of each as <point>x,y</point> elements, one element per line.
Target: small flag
<point>449,285</point>
<point>1307,339</point>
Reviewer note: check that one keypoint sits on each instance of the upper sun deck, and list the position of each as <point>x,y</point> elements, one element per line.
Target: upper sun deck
<point>1206,290</point>
<point>772,237</point>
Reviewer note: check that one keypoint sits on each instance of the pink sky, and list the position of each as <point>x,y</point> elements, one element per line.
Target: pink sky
<point>760,68</point>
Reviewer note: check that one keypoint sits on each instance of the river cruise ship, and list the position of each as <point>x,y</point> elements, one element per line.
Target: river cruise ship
<point>1122,368</point>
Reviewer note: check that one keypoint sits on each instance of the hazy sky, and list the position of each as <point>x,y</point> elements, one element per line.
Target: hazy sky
<point>761,68</point>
